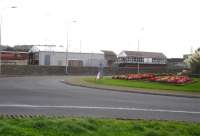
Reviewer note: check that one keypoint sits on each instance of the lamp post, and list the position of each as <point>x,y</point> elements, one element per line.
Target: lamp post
<point>67,47</point>
<point>0,41</point>
<point>67,50</point>
<point>138,51</point>
<point>138,64</point>
<point>1,20</point>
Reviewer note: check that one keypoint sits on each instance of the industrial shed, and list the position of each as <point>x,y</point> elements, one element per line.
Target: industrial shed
<point>47,55</point>
<point>57,56</point>
<point>86,59</point>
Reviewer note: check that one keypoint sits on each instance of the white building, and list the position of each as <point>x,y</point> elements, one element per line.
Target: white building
<point>47,55</point>
<point>146,58</point>
<point>57,56</point>
<point>86,59</point>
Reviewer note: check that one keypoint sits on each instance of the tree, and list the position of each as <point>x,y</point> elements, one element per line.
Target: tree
<point>194,62</point>
<point>6,48</point>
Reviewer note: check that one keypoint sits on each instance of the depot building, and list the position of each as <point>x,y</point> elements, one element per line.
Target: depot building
<point>51,55</point>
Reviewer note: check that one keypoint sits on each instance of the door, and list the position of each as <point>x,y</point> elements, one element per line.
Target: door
<point>47,60</point>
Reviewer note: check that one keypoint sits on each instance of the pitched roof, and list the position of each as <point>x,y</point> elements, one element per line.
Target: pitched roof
<point>144,54</point>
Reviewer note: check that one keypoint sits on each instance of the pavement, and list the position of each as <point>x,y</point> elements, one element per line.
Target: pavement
<point>48,95</point>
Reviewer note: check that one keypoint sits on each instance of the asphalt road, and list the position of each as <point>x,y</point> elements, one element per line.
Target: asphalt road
<point>49,96</point>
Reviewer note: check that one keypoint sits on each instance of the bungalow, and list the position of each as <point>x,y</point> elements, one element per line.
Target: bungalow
<point>145,59</point>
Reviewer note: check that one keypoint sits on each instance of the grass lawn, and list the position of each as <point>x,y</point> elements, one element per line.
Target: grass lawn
<point>191,87</point>
<point>42,126</point>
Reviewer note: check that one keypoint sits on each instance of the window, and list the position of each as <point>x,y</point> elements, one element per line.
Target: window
<point>135,59</point>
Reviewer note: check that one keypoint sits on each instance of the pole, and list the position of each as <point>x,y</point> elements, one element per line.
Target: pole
<point>0,42</point>
<point>1,20</point>
<point>67,49</point>
<point>80,46</point>
<point>138,66</point>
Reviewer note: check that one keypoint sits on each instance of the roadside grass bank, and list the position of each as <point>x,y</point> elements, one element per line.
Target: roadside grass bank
<point>49,126</point>
<point>189,87</point>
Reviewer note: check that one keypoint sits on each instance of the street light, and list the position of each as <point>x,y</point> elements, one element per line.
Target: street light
<point>13,7</point>
<point>138,51</point>
<point>67,47</point>
<point>138,64</point>
<point>1,20</point>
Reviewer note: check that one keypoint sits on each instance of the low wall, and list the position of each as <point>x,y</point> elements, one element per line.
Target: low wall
<point>32,70</point>
<point>82,70</point>
<point>117,70</point>
<point>60,70</point>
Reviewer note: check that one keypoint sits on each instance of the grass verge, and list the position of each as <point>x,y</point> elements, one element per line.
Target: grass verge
<point>192,87</point>
<point>43,126</point>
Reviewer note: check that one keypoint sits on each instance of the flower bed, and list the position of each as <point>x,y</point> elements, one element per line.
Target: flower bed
<point>140,76</point>
<point>166,78</point>
<point>134,76</point>
<point>171,79</point>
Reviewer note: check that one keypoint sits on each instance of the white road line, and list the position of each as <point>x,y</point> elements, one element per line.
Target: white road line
<point>99,108</point>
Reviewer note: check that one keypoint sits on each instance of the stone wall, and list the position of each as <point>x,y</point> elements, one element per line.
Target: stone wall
<point>32,70</point>
<point>82,70</point>
<point>60,70</point>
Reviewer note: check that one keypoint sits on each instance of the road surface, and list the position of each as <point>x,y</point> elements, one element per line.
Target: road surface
<point>47,95</point>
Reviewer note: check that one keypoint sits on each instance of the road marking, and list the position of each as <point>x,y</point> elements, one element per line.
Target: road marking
<point>99,108</point>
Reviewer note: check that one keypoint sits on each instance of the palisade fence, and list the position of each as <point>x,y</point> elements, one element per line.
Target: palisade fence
<point>61,70</point>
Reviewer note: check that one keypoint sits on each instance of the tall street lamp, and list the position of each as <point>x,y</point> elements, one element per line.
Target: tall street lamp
<point>138,53</point>
<point>67,47</point>
<point>1,20</point>
<point>138,63</point>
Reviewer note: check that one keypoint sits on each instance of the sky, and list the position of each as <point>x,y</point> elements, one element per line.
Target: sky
<point>168,26</point>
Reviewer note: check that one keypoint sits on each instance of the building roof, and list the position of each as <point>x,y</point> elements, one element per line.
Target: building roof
<point>47,48</point>
<point>86,53</point>
<point>142,54</point>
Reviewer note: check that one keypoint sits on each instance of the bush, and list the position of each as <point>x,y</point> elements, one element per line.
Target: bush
<point>194,62</point>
